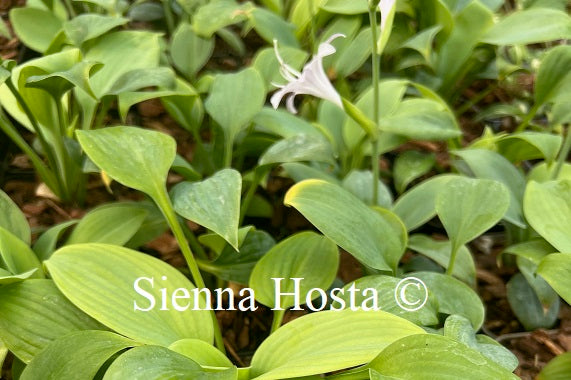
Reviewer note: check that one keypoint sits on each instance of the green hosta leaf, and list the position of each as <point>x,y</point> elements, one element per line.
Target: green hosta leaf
<point>527,306</point>
<point>415,356</point>
<point>185,169</point>
<point>353,55</point>
<point>409,166</point>
<point>272,27</point>
<point>306,255</point>
<point>36,28</point>
<point>34,313</point>
<point>46,243</point>
<point>339,215</point>
<point>153,226</point>
<point>298,148</point>
<point>102,280</point>
<point>186,108</point>
<point>553,73</point>
<point>142,48</point>
<point>215,15</point>
<point>460,329</point>
<point>530,145</point>
<point>138,79</point>
<point>418,205</point>
<point>530,26</point>
<point>386,286</point>
<point>544,173</point>
<point>17,257</point>
<point>439,251</point>
<point>268,66</point>
<point>299,172</point>
<point>490,165</point>
<point>78,355</point>
<point>213,203</point>
<point>12,219</point>
<point>190,52</point>
<point>360,184</point>
<point>421,119</point>
<point>155,363</point>
<point>60,82</point>
<point>557,369</point>
<point>88,26</point>
<point>454,297</point>
<point>282,123</point>
<point>555,269</point>
<point>423,42</point>
<point>469,26</point>
<point>115,223</point>
<point>227,104</point>
<point>134,157</point>
<point>391,93</point>
<point>322,342</point>
<point>547,207</point>
<point>201,352</point>
<point>469,207</point>
<point>237,266</point>
<point>346,7</point>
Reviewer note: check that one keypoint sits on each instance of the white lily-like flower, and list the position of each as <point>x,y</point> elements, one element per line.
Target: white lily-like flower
<point>385,6</point>
<point>311,81</point>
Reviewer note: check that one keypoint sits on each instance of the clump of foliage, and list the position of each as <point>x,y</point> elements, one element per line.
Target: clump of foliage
<point>361,80</point>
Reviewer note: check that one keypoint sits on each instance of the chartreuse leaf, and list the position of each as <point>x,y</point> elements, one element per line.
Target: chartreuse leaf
<point>530,145</point>
<point>557,369</point>
<point>17,258</point>
<point>190,52</point>
<point>102,280</point>
<point>486,164</point>
<point>268,66</point>
<point>272,27</point>
<point>530,26</point>
<point>409,166</point>
<point>12,219</point>
<point>459,328</point>
<point>439,251</point>
<point>90,25</point>
<point>423,42</point>
<point>360,184</point>
<point>201,352</point>
<point>115,223</point>
<point>3,353</point>
<point>142,48</point>
<point>36,28</point>
<point>46,243</point>
<point>302,147</point>
<point>547,207</point>
<point>34,313</point>
<point>468,207</point>
<point>215,15</point>
<point>553,73</point>
<point>413,357</point>
<point>60,82</point>
<point>138,79</point>
<point>78,355</point>
<point>237,267</point>
<point>213,203</point>
<point>227,104</point>
<point>421,119</point>
<point>454,297</point>
<point>155,362</point>
<point>418,205</point>
<point>386,286</point>
<point>134,157</point>
<point>339,215</point>
<point>323,342</point>
<point>346,7</point>
<point>555,269</point>
<point>306,255</point>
